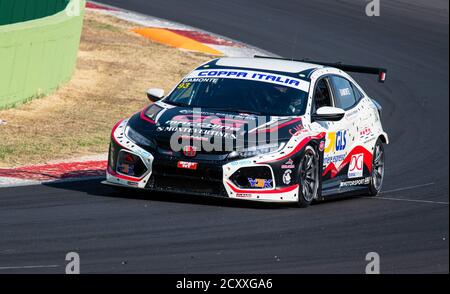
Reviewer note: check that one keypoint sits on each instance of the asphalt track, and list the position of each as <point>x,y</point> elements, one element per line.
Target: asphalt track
<point>407,225</point>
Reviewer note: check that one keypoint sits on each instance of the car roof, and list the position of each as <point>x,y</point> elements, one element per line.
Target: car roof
<point>280,65</point>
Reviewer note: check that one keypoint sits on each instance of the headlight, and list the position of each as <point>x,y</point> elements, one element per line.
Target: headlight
<point>257,150</point>
<point>136,137</point>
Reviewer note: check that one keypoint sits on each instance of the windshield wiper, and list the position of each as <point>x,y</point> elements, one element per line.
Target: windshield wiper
<point>177,104</point>
<point>217,108</point>
<point>238,110</point>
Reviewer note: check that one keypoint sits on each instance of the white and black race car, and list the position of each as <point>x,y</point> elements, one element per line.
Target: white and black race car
<point>263,129</point>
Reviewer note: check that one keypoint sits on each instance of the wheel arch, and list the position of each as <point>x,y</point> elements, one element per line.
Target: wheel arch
<point>315,145</point>
<point>384,138</point>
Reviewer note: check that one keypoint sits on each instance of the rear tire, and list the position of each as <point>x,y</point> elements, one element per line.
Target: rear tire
<point>308,177</point>
<point>376,181</point>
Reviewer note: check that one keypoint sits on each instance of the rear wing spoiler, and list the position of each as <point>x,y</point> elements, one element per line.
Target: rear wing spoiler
<point>380,72</point>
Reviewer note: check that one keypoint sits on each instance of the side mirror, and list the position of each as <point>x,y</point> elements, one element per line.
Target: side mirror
<point>155,94</point>
<point>328,113</point>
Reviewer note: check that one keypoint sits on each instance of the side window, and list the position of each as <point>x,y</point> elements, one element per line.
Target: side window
<point>322,95</point>
<point>343,92</point>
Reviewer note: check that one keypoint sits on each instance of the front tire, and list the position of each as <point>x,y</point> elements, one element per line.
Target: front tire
<point>377,177</point>
<point>308,177</point>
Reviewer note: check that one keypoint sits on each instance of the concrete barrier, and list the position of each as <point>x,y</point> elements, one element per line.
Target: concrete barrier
<point>13,11</point>
<point>37,56</point>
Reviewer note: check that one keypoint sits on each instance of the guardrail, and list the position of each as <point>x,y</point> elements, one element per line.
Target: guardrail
<point>37,56</point>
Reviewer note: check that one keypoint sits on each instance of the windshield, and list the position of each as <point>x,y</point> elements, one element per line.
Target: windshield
<point>246,96</point>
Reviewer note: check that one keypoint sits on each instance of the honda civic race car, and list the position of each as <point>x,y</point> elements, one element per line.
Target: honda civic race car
<point>263,129</point>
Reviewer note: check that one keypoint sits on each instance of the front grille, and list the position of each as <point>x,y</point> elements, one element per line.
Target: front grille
<point>209,171</point>
<point>206,179</point>
<point>187,185</point>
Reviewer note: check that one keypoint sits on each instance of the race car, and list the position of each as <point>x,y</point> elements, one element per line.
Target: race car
<point>263,129</point>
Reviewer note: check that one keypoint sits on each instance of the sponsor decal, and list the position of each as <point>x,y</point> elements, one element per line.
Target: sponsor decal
<point>287,177</point>
<point>334,169</point>
<point>241,162</point>
<point>365,132</point>
<point>252,76</point>
<point>184,85</point>
<point>211,121</point>
<point>260,183</point>
<point>355,169</point>
<point>344,92</point>
<point>187,165</point>
<point>215,133</point>
<point>126,169</point>
<point>242,195</point>
<point>333,159</point>
<point>190,151</point>
<point>200,80</point>
<point>336,141</point>
<point>197,132</point>
<point>359,182</point>
<point>205,125</point>
<point>352,113</point>
<point>295,131</point>
<point>288,164</point>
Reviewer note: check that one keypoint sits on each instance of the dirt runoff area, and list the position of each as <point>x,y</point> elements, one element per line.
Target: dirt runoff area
<point>115,67</point>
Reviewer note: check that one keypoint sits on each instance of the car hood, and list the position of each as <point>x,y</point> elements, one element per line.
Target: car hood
<point>161,123</point>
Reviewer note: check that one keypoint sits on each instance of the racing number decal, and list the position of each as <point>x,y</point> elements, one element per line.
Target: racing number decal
<point>184,85</point>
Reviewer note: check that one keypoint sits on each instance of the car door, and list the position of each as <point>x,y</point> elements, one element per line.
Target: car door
<point>347,97</point>
<point>337,136</point>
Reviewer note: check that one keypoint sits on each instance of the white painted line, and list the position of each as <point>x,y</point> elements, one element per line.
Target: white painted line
<point>6,182</point>
<point>407,188</point>
<point>28,267</point>
<point>407,200</point>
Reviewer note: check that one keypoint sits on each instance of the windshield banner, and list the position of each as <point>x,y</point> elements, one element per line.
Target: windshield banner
<point>208,74</point>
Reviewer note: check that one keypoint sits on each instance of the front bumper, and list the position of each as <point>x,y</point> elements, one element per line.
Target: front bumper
<point>161,172</point>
